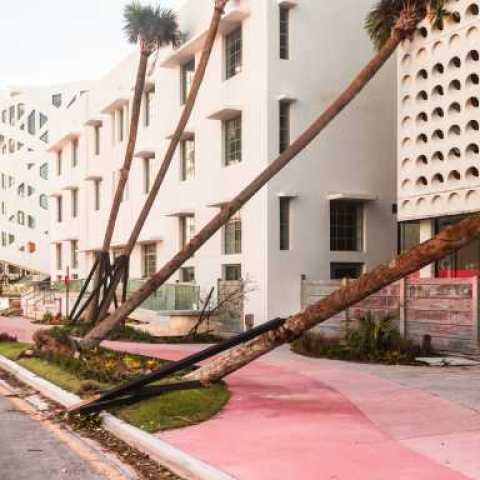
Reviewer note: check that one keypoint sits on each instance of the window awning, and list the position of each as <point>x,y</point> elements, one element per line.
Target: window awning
<point>94,122</point>
<point>116,104</point>
<point>234,15</point>
<point>189,135</point>
<point>145,153</point>
<point>226,113</point>
<point>58,145</point>
<point>354,197</point>
<point>182,213</point>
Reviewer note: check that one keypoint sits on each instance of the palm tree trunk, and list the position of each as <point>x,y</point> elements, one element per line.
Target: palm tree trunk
<point>182,123</point>
<point>177,136</point>
<point>448,241</point>
<point>124,173</point>
<point>97,334</point>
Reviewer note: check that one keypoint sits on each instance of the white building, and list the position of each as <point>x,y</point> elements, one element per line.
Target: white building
<point>275,66</point>
<point>438,141</point>
<point>25,117</point>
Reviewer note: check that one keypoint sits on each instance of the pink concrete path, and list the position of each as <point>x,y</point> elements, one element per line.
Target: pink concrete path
<point>296,418</point>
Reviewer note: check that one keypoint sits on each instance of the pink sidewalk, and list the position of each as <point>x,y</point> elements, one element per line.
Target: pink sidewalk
<point>294,418</point>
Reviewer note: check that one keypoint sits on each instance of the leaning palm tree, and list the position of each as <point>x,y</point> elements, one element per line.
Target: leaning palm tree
<point>389,23</point>
<point>176,138</point>
<point>151,28</point>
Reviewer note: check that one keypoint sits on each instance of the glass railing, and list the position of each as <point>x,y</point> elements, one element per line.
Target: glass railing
<point>169,297</point>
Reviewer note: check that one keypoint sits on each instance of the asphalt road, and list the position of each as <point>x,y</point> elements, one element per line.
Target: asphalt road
<point>30,451</point>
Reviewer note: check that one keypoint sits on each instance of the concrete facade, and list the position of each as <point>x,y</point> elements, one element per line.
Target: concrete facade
<point>351,161</point>
<point>438,146</point>
<point>25,120</point>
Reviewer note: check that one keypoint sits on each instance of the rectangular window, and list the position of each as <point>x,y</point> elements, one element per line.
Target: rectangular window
<point>74,153</point>
<point>74,203</point>
<point>188,159</point>
<point>31,125</point>
<point>147,174</point>
<point>232,236</point>
<point>43,171</point>
<point>339,271</point>
<point>285,223</point>
<point>409,236</point>
<point>187,229</point>
<point>233,53</point>
<point>96,188</point>
<point>59,209</point>
<point>74,253</point>
<point>59,162</point>
<point>346,226</point>
<point>232,272</point>
<point>12,115</point>
<point>284,33</point>
<point>284,125</point>
<point>187,275</point>
<point>149,259</point>
<point>97,139</point>
<point>57,100</point>
<point>121,124</point>
<point>148,107</point>
<point>233,140</point>
<point>58,252</point>
<point>187,74</point>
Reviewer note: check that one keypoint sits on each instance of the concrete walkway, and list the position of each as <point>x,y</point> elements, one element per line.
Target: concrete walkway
<point>292,417</point>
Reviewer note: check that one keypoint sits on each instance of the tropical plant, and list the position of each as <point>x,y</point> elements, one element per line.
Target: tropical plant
<point>390,22</point>
<point>151,28</point>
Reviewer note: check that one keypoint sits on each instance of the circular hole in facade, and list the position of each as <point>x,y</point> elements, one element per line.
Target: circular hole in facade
<point>407,122</point>
<point>473,56</point>
<point>453,200</point>
<point>472,173</point>
<point>437,179</point>
<point>473,33</point>
<point>422,160</point>
<point>438,113</point>
<point>438,157</point>
<point>454,176</point>
<point>406,142</point>
<point>455,40</point>
<point>422,139</point>
<point>422,54</point>
<point>422,74</point>
<point>406,206</point>
<point>437,203</point>
<point>421,204</point>
<point>406,101</point>
<point>422,96</point>
<point>455,62</point>
<point>454,153</point>
<point>471,198</point>
<point>472,126</point>
<point>472,103</point>
<point>406,162</point>
<point>406,184</point>
<point>422,32</point>
<point>454,108</point>
<point>454,86</point>
<point>438,91</point>
<point>406,81</point>
<point>454,131</point>
<point>437,46</point>
<point>472,80</point>
<point>421,182</point>
<point>472,10</point>
<point>472,150</point>
<point>455,18</point>
<point>406,60</point>
<point>438,135</point>
<point>422,117</point>
<point>438,69</point>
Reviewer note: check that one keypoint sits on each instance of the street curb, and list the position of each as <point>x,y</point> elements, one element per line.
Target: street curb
<point>180,462</point>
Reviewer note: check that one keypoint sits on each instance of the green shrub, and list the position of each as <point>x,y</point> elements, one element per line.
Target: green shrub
<point>373,340</point>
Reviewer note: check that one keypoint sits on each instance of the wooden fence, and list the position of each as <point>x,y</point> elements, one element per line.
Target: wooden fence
<point>444,309</point>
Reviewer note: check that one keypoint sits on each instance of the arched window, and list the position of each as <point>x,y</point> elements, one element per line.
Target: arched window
<point>20,217</point>
<point>43,201</point>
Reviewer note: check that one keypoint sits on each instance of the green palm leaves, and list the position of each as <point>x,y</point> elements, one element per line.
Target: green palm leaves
<point>402,15</point>
<point>153,27</point>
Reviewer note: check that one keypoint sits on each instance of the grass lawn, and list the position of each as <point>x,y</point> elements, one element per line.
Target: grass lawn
<point>166,412</point>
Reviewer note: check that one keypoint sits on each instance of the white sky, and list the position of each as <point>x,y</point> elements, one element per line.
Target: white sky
<point>53,41</point>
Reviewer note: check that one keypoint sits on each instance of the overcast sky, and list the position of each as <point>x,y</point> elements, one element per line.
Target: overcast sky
<point>53,41</point>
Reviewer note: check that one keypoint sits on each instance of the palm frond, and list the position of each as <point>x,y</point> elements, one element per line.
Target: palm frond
<point>387,15</point>
<point>155,26</point>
